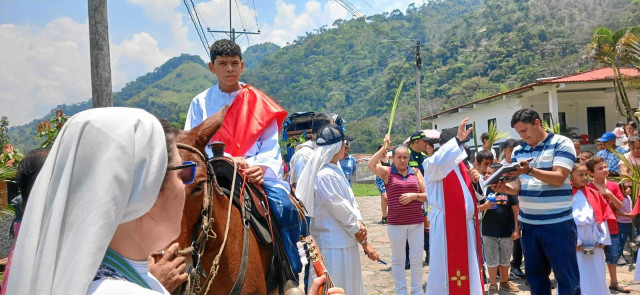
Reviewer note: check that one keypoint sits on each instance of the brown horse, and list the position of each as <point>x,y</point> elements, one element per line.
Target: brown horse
<point>196,200</point>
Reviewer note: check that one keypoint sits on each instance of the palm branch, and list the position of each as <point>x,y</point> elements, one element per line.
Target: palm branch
<point>554,128</point>
<point>495,135</point>
<point>634,177</point>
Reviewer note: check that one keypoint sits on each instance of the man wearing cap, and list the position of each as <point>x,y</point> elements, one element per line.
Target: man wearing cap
<point>348,163</point>
<point>456,260</point>
<point>417,149</point>
<point>336,221</point>
<point>304,150</point>
<point>608,140</point>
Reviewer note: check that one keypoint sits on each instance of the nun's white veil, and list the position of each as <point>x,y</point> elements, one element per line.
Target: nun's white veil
<point>105,168</point>
<point>305,190</point>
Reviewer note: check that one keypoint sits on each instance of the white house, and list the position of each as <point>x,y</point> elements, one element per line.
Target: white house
<point>585,101</point>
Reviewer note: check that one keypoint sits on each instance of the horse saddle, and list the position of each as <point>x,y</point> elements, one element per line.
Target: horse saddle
<point>258,218</point>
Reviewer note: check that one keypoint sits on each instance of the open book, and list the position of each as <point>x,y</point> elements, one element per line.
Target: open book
<point>500,174</point>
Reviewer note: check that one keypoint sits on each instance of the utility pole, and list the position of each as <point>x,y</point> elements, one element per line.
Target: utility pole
<point>233,35</point>
<point>101,91</point>
<point>418,68</point>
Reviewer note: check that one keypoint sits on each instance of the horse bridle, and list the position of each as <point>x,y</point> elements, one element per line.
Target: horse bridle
<point>204,230</point>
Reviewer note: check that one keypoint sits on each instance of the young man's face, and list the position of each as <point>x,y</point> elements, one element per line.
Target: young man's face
<point>600,171</point>
<point>227,68</point>
<point>484,165</point>
<point>530,133</point>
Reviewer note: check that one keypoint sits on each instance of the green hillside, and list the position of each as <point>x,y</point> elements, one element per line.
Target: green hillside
<point>470,49</point>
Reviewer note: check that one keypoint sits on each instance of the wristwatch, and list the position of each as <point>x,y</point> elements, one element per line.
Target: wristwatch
<point>530,173</point>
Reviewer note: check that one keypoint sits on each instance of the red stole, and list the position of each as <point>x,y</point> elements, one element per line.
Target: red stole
<point>456,230</point>
<point>601,209</point>
<point>249,114</point>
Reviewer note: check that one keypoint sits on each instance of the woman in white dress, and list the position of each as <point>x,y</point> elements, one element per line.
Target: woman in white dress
<point>336,221</point>
<point>590,212</point>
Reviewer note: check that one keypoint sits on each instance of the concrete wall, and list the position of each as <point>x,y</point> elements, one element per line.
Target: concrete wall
<point>501,110</point>
<point>572,100</point>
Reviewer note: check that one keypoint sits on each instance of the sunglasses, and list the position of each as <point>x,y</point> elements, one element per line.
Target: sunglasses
<point>187,171</point>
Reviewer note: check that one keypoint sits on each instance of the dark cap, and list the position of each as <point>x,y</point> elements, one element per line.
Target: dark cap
<point>417,135</point>
<point>330,134</point>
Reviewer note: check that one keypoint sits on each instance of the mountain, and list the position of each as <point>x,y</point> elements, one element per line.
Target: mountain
<point>469,49</point>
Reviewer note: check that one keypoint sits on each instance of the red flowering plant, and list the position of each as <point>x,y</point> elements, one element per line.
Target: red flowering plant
<point>9,156</point>
<point>50,129</point>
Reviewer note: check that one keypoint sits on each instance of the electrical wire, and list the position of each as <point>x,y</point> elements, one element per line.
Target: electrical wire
<point>206,47</point>
<point>199,24</point>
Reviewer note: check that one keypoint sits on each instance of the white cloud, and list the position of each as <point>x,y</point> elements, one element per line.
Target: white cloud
<point>288,25</point>
<point>48,66</point>
<point>42,68</point>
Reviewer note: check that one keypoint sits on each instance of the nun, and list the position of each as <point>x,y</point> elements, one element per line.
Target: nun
<point>336,221</point>
<point>110,193</point>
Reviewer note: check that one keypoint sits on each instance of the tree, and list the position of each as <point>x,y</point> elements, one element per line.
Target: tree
<point>613,50</point>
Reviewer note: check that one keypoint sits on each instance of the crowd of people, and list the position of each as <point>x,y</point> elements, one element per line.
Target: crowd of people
<point>111,191</point>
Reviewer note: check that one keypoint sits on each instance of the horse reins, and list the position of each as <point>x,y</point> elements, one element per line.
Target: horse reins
<point>198,244</point>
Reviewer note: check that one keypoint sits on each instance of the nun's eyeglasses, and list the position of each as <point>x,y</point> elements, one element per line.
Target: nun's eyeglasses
<point>187,171</point>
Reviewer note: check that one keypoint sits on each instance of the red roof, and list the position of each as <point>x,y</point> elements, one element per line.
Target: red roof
<point>601,74</point>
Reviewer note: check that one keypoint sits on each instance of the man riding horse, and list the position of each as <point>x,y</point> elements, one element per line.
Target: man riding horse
<point>250,132</point>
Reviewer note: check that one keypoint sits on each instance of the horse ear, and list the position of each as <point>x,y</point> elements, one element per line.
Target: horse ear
<point>203,132</point>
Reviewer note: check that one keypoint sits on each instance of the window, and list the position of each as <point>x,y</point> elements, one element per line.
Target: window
<point>562,120</point>
<point>491,121</point>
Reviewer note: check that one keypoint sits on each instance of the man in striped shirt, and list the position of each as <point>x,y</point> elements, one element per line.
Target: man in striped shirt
<point>544,189</point>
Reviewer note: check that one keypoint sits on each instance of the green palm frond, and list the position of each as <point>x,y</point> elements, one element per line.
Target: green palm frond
<point>495,135</point>
<point>554,128</point>
<point>633,176</point>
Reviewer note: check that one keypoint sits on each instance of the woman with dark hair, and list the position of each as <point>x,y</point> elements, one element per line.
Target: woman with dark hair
<point>405,219</point>
<point>631,129</point>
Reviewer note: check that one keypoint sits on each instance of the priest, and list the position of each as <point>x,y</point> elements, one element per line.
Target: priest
<point>453,217</point>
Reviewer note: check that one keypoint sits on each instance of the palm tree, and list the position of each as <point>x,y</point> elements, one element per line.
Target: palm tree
<point>494,134</point>
<point>616,49</point>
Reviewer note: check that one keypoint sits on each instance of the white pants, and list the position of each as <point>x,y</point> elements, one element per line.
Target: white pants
<point>398,237</point>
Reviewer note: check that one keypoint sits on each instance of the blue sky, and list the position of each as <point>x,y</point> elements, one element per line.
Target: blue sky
<point>45,44</point>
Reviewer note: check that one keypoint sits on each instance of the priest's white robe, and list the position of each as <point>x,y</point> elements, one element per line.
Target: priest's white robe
<point>592,266</point>
<point>436,168</point>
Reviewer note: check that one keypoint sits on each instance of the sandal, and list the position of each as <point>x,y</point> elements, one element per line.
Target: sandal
<point>620,288</point>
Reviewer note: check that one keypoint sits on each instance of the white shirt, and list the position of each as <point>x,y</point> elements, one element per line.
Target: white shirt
<point>264,152</point>
<point>107,286</point>
<point>589,231</point>
<point>299,160</point>
<point>337,214</point>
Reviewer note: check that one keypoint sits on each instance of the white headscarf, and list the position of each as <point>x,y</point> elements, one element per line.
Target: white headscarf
<point>105,168</point>
<point>305,190</point>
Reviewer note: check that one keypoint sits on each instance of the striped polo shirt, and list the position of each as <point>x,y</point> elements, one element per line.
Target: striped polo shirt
<point>542,203</point>
<point>397,185</point>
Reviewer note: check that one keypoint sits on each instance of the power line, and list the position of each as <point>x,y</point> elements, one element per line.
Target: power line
<point>206,47</point>
<point>199,24</point>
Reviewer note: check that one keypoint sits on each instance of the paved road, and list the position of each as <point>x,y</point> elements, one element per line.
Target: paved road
<point>378,278</point>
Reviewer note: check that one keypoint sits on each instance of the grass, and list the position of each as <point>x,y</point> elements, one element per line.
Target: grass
<point>365,189</point>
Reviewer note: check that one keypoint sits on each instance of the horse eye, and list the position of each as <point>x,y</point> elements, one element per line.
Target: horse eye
<point>198,188</point>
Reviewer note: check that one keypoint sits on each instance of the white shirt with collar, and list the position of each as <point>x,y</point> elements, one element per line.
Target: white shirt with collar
<point>264,152</point>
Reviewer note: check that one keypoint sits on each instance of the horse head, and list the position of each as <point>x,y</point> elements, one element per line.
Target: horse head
<point>202,193</point>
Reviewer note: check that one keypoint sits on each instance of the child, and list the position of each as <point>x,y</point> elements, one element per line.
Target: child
<point>624,220</point>
<point>499,230</point>
<point>610,190</point>
<point>590,210</point>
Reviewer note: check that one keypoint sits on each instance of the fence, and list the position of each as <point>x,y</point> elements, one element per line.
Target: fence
<point>364,175</point>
